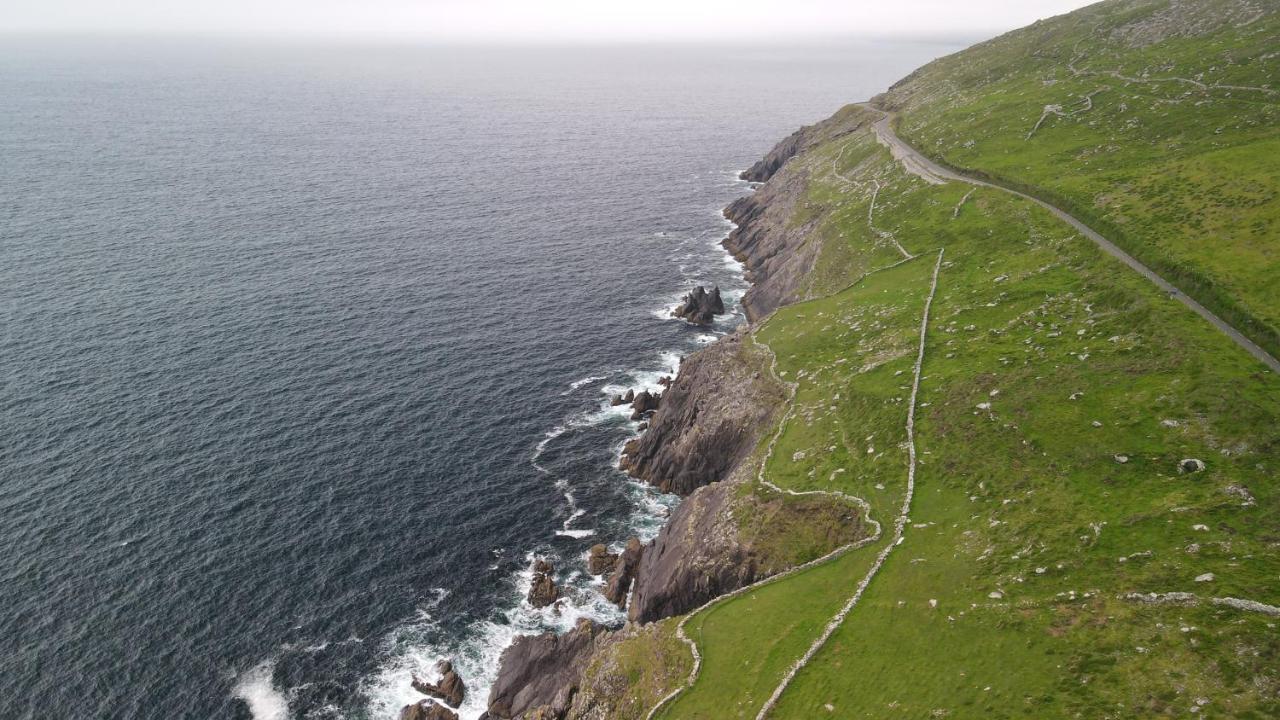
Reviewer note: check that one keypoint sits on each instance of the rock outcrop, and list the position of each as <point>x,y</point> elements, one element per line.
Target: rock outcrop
<point>624,571</point>
<point>600,561</point>
<point>427,710</point>
<point>541,673</point>
<point>700,307</point>
<point>450,689</point>
<point>729,535</point>
<point>777,251</point>
<point>842,123</point>
<point>644,403</point>
<point>544,590</point>
<point>711,417</point>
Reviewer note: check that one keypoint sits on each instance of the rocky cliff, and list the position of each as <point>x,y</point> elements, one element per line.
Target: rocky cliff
<point>771,240</point>
<point>710,418</point>
<point>731,534</point>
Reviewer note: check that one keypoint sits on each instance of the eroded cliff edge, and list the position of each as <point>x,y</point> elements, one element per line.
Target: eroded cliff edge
<point>704,442</point>
<point>773,238</point>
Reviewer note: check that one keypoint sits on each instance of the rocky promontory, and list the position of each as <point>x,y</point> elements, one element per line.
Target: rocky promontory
<point>710,417</point>
<point>540,673</point>
<point>772,246</point>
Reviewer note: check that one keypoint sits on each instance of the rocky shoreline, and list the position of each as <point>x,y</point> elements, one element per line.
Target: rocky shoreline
<point>697,437</point>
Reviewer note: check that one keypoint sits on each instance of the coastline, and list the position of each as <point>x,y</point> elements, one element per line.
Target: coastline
<point>583,599</point>
<point>701,444</point>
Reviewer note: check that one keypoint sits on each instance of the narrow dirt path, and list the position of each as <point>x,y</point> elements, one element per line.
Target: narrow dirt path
<point>932,172</point>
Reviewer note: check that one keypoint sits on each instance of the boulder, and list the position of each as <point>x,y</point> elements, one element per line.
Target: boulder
<point>450,689</point>
<point>624,572</point>
<point>600,561</point>
<point>1190,465</point>
<point>631,395</point>
<point>544,590</point>
<point>700,307</point>
<point>617,400</point>
<point>665,381</point>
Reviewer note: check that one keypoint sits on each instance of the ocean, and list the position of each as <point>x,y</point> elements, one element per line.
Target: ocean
<point>306,349</point>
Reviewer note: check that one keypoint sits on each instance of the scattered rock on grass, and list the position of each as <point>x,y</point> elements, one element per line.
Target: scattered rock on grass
<point>1190,465</point>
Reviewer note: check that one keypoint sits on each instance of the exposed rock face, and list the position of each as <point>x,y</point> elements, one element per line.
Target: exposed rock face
<point>427,710</point>
<point>710,418</point>
<point>644,403</point>
<point>797,142</point>
<point>600,561</point>
<point>540,673</point>
<point>731,534</point>
<point>693,559</point>
<point>624,572</point>
<point>700,307</point>
<point>775,249</point>
<point>450,689</point>
<point>544,590</point>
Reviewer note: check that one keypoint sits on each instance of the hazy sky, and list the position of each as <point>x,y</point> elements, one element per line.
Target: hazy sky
<point>530,20</point>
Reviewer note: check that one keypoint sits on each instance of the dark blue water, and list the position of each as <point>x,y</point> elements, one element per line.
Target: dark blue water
<point>305,349</point>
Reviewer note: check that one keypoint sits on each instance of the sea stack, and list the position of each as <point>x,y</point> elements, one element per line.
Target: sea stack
<point>700,307</point>
<point>544,590</point>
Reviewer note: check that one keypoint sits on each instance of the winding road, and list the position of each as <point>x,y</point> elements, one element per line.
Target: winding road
<point>932,172</point>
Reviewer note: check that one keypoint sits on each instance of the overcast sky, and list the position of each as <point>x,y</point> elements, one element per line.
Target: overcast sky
<point>530,20</point>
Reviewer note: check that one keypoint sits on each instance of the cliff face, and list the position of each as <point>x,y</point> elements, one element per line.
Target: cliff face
<point>710,418</point>
<point>771,244</point>
<point>731,534</point>
<point>540,673</point>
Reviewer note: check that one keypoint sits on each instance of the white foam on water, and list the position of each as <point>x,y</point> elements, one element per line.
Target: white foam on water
<point>254,687</point>
<point>652,508</point>
<point>578,534</point>
<point>584,381</point>
<point>477,650</point>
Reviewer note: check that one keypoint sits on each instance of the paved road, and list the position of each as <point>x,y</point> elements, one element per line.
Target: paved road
<point>930,171</point>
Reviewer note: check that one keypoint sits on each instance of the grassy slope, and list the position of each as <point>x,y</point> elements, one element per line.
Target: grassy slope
<point>1027,498</point>
<point>1028,308</point>
<point>1185,177</point>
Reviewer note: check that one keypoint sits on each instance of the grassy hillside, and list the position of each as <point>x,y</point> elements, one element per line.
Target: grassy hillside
<point>1019,493</point>
<point>1058,558</point>
<point>1154,121</point>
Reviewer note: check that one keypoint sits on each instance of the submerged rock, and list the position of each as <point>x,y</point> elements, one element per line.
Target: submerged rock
<point>427,710</point>
<point>450,689</point>
<point>600,561</point>
<point>544,590</point>
<point>700,307</point>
